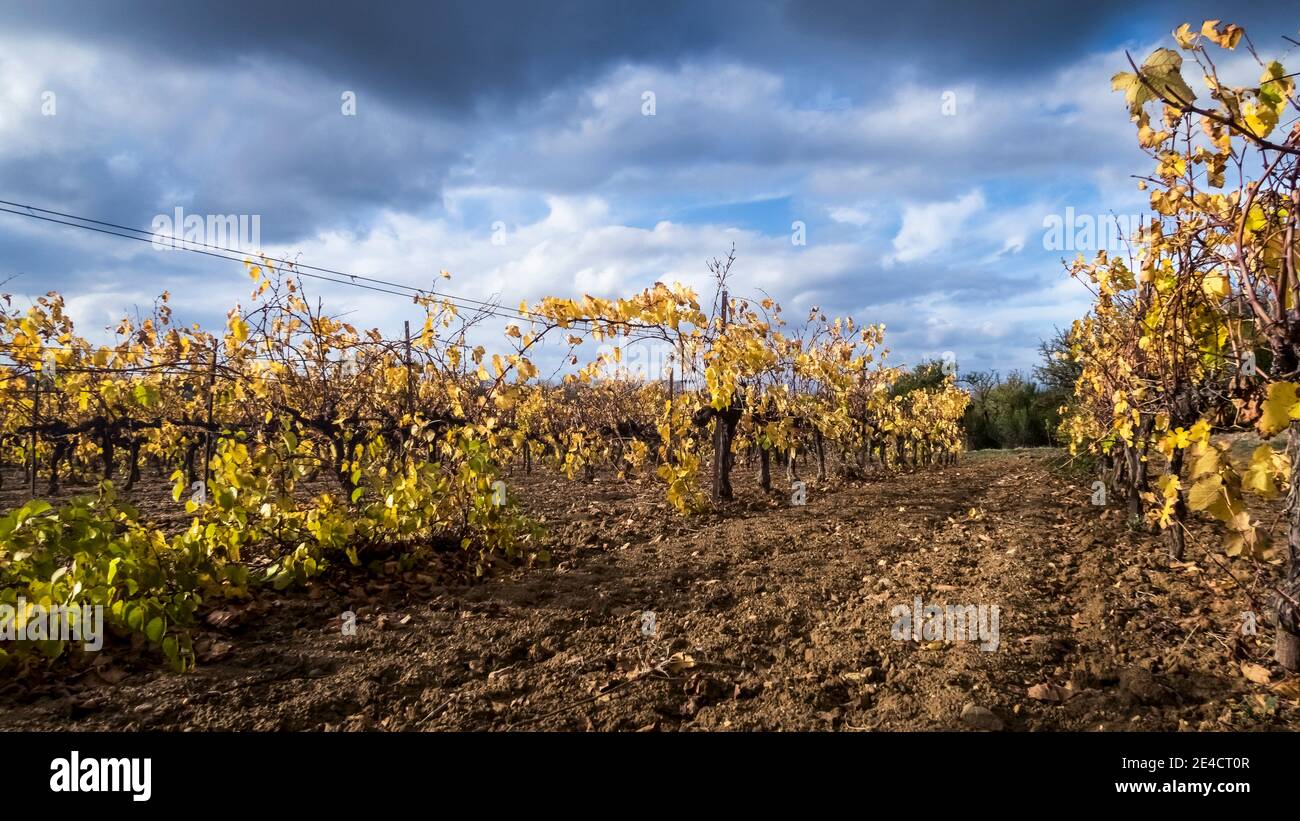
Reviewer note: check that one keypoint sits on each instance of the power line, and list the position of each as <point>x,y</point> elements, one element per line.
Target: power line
<point>194,250</point>
<point>293,265</point>
<point>379,285</point>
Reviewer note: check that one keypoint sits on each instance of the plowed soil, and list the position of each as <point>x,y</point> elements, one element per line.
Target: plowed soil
<point>768,616</point>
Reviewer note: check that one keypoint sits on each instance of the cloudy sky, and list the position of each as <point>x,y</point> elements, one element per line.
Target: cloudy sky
<point>920,146</point>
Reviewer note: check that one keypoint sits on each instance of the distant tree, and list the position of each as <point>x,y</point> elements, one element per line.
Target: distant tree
<point>1019,411</point>
<point>978,419</point>
<point>1058,371</point>
<point>928,374</point>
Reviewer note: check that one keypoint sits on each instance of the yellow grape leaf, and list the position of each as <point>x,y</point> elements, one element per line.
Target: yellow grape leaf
<point>1163,73</point>
<point>1171,164</point>
<point>1217,285</point>
<point>1259,475</point>
<point>1206,460</point>
<point>1150,138</point>
<point>426,333</point>
<point>1227,38</point>
<point>1278,408</point>
<point>1200,432</point>
<point>1206,492</point>
<point>1275,89</point>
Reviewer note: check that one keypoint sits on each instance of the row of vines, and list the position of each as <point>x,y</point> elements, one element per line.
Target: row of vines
<point>1193,341</point>
<point>294,441</point>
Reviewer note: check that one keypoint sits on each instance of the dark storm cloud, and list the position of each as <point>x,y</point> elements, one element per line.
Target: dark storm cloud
<point>437,55</point>
<point>489,66</point>
<point>470,53</point>
<point>991,37</point>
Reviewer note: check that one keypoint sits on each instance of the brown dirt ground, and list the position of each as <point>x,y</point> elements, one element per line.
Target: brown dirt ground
<point>768,617</point>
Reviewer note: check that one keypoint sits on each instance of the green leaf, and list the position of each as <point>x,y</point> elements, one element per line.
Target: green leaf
<point>33,508</point>
<point>146,395</point>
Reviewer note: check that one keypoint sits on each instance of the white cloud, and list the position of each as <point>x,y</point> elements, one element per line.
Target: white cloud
<point>851,216</point>
<point>932,227</point>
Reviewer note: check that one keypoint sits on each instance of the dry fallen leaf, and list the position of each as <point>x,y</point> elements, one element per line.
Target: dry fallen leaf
<point>1256,673</point>
<point>1288,688</point>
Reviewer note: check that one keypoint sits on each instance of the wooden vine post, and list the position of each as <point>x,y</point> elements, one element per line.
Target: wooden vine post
<point>209,440</point>
<point>672,392</point>
<point>721,443</point>
<point>407,361</point>
<point>410,391</point>
<point>36,416</point>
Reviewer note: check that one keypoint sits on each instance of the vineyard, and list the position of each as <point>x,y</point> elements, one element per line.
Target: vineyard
<point>491,521</point>
<point>294,442</point>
